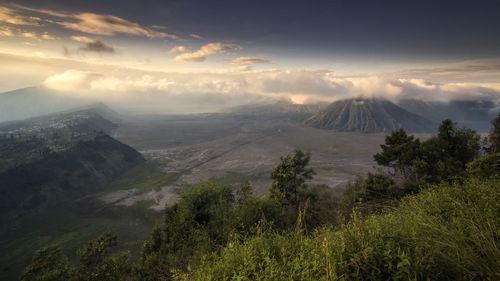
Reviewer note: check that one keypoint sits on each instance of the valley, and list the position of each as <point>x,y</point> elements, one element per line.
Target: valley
<point>238,149</point>
<point>126,169</point>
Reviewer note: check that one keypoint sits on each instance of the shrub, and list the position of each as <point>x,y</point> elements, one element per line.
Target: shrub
<point>449,232</point>
<point>486,166</point>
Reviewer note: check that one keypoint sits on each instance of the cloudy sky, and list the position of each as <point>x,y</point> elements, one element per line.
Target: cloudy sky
<point>213,54</point>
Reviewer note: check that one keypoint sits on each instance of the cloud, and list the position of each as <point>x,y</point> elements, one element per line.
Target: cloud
<point>82,39</point>
<point>92,45</point>
<point>245,61</point>
<point>71,80</point>
<point>179,49</point>
<point>195,36</point>
<point>207,50</point>
<point>29,35</point>
<point>6,31</point>
<point>110,25</point>
<point>97,46</point>
<point>217,90</point>
<point>100,24</point>
<point>9,16</point>
<point>47,36</point>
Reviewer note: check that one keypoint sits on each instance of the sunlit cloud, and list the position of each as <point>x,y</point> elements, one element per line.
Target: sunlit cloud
<point>71,80</point>
<point>6,31</point>
<point>47,36</point>
<point>9,16</point>
<point>206,51</point>
<point>179,49</point>
<point>110,25</point>
<point>100,24</point>
<point>29,35</point>
<point>250,61</point>
<point>82,39</point>
<point>304,86</point>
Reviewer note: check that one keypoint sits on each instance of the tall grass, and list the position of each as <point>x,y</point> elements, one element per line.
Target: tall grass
<point>449,232</point>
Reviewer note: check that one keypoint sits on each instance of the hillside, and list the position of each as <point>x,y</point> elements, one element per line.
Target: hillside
<point>368,116</point>
<point>35,101</point>
<point>474,114</point>
<point>44,173</point>
<point>65,155</point>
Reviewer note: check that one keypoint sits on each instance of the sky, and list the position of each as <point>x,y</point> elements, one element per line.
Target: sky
<point>214,54</point>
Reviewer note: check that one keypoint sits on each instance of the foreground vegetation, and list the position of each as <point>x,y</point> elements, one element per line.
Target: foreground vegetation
<point>449,232</point>
<point>432,213</point>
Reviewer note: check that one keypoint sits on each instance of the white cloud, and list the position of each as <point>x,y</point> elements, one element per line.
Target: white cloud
<point>207,50</point>
<point>71,80</point>
<point>217,90</point>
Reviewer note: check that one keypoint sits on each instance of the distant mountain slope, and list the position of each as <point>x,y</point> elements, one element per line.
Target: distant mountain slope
<point>368,116</point>
<point>58,156</point>
<point>82,119</point>
<point>35,101</point>
<point>474,114</point>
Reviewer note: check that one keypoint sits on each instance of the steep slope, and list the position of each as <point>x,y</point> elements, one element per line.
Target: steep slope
<point>58,156</point>
<point>368,116</point>
<point>35,101</point>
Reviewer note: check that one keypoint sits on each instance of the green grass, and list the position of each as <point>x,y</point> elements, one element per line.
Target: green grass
<point>449,232</point>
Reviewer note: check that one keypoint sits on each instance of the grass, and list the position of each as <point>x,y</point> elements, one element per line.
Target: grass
<point>449,232</point>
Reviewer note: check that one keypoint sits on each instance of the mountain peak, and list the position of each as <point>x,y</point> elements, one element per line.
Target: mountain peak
<point>368,115</point>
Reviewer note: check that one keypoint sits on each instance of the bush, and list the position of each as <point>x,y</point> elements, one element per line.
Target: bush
<point>449,232</point>
<point>205,218</point>
<point>484,167</point>
<point>369,194</point>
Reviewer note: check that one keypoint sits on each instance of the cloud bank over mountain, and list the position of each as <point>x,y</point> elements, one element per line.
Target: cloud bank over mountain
<point>213,91</point>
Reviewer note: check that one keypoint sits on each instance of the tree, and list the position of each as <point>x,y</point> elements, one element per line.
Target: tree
<point>95,263</point>
<point>48,264</point>
<point>98,265</point>
<point>447,153</point>
<point>494,136</point>
<point>206,217</point>
<point>400,152</point>
<point>289,178</point>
